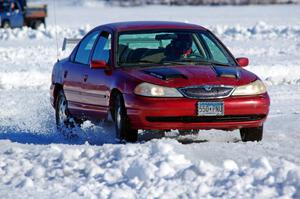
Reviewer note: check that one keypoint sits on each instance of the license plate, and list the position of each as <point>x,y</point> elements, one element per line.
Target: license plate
<point>210,108</point>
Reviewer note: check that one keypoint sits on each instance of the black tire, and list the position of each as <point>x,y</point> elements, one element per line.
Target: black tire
<point>252,134</point>
<point>188,132</point>
<point>36,24</point>
<point>6,25</point>
<point>64,121</point>
<point>122,126</point>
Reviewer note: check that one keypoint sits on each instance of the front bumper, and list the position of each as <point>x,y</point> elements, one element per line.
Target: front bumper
<point>181,113</point>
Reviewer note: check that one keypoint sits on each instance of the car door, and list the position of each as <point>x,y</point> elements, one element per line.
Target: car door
<point>74,74</point>
<point>16,15</point>
<point>96,87</point>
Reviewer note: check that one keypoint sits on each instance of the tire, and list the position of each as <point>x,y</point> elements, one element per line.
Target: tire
<point>252,134</point>
<point>64,120</point>
<point>6,25</point>
<point>36,24</point>
<point>122,126</point>
<point>188,132</point>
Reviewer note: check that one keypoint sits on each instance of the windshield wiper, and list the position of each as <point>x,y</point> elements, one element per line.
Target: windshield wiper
<point>159,63</point>
<point>210,62</point>
<point>138,62</point>
<point>172,62</point>
<point>152,62</point>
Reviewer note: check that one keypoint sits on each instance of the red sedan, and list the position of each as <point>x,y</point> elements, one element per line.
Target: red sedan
<point>158,76</point>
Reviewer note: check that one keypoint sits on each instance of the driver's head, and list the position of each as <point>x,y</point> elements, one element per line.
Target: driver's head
<point>182,43</point>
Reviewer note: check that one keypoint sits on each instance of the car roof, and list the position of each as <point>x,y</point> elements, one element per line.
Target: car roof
<point>150,25</point>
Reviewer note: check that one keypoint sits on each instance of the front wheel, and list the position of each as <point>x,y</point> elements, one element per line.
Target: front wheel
<point>251,134</point>
<point>122,126</point>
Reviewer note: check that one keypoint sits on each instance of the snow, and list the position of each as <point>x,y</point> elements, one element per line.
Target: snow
<point>138,171</point>
<point>36,161</point>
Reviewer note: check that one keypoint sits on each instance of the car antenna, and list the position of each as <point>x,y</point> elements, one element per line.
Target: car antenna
<point>55,23</point>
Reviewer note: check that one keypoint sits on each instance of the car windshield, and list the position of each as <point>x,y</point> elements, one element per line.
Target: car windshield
<point>171,48</point>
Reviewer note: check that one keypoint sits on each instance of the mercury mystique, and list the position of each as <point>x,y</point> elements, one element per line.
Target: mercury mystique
<point>158,76</point>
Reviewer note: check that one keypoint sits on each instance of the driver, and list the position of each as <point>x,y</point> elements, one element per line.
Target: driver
<point>179,48</point>
<point>13,6</point>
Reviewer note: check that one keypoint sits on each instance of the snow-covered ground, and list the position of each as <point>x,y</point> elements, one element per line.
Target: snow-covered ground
<point>36,161</point>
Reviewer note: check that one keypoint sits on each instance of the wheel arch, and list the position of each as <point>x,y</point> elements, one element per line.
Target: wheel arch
<point>57,87</point>
<point>113,94</point>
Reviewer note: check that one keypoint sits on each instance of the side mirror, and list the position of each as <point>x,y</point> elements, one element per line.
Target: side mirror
<point>98,64</point>
<point>242,61</point>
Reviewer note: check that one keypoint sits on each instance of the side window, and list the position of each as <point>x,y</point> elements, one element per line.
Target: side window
<point>103,48</point>
<point>216,51</point>
<point>14,7</point>
<point>85,47</point>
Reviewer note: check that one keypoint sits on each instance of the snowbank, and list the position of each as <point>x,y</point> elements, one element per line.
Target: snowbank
<point>259,31</point>
<point>278,74</point>
<point>42,33</point>
<point>236,32</point>
<point>151,170</point>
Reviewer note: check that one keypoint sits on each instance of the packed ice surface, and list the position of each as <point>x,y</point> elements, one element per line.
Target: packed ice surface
<point>36,161</point>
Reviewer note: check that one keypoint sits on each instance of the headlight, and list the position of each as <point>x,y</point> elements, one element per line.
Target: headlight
<point>255,88</point>
<point>152,90</point>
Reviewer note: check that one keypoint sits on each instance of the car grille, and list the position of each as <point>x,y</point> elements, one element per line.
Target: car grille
<point>206,92</point>
<point>199,119</point>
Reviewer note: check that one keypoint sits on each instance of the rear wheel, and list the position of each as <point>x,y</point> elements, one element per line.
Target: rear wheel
<point>64,120</point>
<point>122,126</point>
<point>36,24</point>
<point>252,134</point>
<point>6,25</point>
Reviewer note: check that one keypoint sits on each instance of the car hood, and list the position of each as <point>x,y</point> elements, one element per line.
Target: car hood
<point>182,76</point>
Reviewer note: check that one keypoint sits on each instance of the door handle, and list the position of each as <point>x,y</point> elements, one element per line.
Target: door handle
<point>85,77</point>
<point>65,74</point>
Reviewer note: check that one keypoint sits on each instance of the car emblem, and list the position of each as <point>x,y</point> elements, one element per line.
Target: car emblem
<point>208,88</point>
